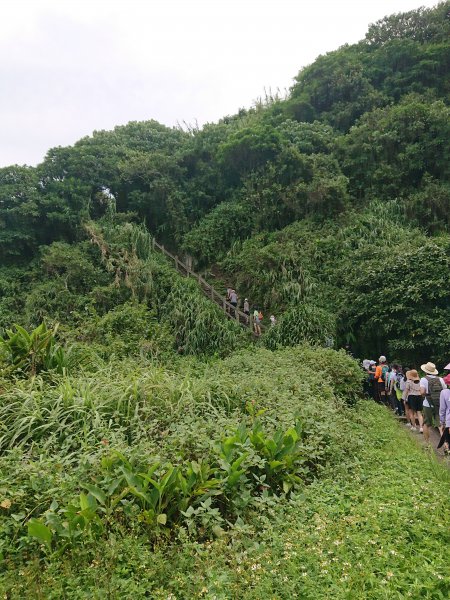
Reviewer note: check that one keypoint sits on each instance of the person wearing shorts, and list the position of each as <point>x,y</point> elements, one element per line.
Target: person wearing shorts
<point>430,406</point>
<point>414,396</point>
<point>403,383</point>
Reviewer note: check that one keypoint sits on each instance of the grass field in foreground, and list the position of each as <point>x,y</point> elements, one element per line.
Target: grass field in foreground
<point>379,528</point>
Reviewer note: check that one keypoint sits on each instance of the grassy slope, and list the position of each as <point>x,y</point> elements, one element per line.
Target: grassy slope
<point>378,527</point>
<point>379,532</point>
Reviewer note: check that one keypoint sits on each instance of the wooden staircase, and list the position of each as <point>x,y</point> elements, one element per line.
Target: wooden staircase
<point>208,290</point>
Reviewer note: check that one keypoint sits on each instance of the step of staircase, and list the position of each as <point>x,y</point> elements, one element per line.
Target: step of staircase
<point>208,290</point>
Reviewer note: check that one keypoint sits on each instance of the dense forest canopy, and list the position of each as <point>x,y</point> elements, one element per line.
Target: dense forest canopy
<point>330,205</point>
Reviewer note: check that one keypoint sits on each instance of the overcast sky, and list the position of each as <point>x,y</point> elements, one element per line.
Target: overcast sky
<point>70,67</point>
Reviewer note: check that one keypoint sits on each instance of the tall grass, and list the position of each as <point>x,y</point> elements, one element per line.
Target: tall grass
<point>138,400</point>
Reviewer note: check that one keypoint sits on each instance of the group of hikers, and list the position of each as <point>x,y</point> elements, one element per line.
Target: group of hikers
<point>423,400</point>
<point>233,299</point>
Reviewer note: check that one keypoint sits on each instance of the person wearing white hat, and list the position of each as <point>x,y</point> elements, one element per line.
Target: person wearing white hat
<point>367,381</point>
<point>431,387</point>
<point>373,384</point>
<point>447,377</point>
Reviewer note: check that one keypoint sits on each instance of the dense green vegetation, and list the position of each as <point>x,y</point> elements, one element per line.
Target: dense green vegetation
<point>149,447</point>
<point>136,479</point>
<point>360,145</point>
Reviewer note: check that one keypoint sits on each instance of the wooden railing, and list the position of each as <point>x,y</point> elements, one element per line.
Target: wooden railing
<point>230,311</point>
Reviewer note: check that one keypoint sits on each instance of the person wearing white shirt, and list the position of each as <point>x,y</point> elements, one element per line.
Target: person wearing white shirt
<point>391,381</point>
<point>430,387</point>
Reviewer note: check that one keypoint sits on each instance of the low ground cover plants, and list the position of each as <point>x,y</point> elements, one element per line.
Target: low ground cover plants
<point>191,482</point>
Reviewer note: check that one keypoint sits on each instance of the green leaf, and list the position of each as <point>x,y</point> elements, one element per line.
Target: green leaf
<point>40,531</point>
<point>87,502</point>
<point>218,531</point>
<point>286,486</point>
<point>195,467</point>
<point>84,504</point>
<point>292,433</point>
<point>238,461</point>
<point>96,492</point>
<point>273,464</point>
<point>161,519</point>
<point>234,477</point>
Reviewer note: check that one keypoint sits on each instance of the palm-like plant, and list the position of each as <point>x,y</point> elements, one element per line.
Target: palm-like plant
<point>31,352</point>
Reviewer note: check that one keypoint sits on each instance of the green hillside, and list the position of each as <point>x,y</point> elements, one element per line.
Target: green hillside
<point>150,446</point>
<point>336,196</point>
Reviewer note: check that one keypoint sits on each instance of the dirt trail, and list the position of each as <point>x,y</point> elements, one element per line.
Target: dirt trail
<point>435,436</point>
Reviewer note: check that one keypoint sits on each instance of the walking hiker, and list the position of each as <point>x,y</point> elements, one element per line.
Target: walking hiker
<point>447,377</point>
<point>414,395</point>
<point>247,309</point>
<point>392,381</point>
<point>402,386</point>
<point>431,387</point>
<point>444,419</point>
<point>256,322</point>
<point>396,391</point>
<point>372,380</point>
<point>228,298</point>
<point>234,300</point>
<point>368,382</point>
<point>381,377</point>
<point>273,321</point>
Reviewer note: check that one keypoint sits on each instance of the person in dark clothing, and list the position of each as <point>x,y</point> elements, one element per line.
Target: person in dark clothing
<point>372,381</point>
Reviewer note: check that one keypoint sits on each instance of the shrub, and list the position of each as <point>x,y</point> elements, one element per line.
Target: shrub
<point>200,326</point>
<point>30,353</point>
<point>302,323</point>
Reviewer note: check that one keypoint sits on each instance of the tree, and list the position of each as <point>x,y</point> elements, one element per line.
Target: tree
<point>391,149</point>
<point>421,25</point>
<point>247,150</point>
<point>19,213</point>
<point>337,87</point>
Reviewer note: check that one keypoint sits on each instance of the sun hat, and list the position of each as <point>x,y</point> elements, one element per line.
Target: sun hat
<point>413,374</point>
<point>382,359</point>
<point>429,368</point>
<point>373,362</point>
<point>447,367</point>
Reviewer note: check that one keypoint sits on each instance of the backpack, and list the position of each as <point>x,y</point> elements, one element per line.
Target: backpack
<point>434,391</point>
<point>384,372</point>
<point>397,382</point>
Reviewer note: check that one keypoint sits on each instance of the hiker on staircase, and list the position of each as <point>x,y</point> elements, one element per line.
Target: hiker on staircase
<point>257,321</point>
<point>228,298</point>
<point>234,300</point>
<point>247,310</point>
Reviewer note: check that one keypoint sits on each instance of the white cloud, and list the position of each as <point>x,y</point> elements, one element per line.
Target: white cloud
<point>67,68</point>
